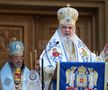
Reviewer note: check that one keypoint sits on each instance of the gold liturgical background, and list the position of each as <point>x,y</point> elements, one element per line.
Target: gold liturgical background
<point>34,22</point>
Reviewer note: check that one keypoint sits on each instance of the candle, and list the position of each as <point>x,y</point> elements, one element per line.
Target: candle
<point>35,59</point>
<point>35,54</point>
<point>97,53</point>
<point>31,61</point>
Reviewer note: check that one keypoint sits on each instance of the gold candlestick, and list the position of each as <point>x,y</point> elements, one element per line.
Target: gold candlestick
<point>31,61</point>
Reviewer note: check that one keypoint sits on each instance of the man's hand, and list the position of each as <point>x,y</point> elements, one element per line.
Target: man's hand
<point>106,49</point>
<point>106,52</point>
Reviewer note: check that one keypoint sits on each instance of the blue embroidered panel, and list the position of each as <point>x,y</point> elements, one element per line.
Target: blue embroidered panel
<point>82,76</point>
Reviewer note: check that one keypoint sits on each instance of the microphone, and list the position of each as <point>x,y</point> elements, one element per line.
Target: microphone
<point>57,42</point>
<point>42,64</point>
<point>51,47</point>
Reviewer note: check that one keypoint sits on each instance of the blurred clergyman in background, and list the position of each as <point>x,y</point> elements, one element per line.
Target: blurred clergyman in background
<point>14,73</point>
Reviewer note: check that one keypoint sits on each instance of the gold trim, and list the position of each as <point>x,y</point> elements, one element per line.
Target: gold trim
<point>106,76</point>
<point>58,75</point>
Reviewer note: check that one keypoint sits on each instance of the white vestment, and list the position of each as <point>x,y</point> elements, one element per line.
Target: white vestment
<point>56,52</point>
<point>7,79</point>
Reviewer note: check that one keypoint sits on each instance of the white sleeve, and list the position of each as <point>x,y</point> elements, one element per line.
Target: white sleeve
<point>49,70</point>
<point>99,58</point>
<point>93,57</point>
<point>103,57</point>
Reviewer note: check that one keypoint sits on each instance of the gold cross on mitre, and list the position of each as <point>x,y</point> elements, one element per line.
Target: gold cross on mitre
<point>68,5</point>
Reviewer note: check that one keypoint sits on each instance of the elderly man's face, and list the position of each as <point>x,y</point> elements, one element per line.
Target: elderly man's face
<point>17,60</point>
<point>67,30</point>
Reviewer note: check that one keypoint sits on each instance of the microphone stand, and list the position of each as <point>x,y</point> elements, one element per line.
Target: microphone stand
<point>42,76</point>
<point>42,63</point>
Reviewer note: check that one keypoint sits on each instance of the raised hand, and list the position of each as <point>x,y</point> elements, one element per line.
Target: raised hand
<point>106,49</point>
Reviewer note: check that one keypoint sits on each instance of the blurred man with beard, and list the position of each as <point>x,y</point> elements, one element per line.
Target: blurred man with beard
<point>14,73</point>
<point>70,47</point>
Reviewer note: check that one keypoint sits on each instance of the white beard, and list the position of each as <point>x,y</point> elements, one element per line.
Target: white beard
<point>68,44</point>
